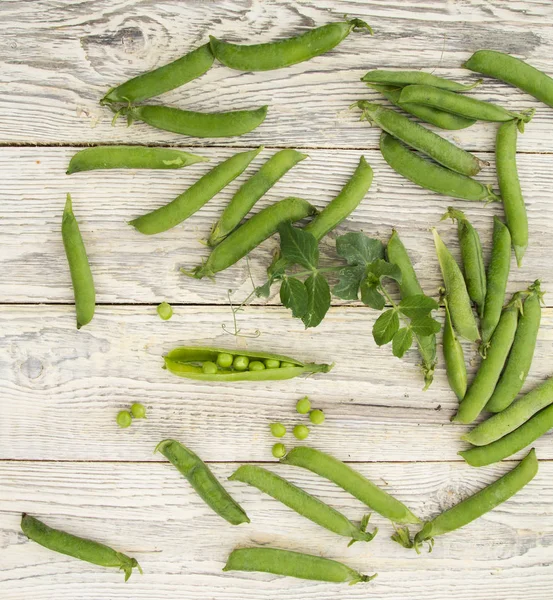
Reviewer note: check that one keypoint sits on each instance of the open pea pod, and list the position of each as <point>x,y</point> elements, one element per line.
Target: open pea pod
<point>191,362</point>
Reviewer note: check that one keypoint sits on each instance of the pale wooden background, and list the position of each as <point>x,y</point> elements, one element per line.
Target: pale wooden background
<point>62,457</point>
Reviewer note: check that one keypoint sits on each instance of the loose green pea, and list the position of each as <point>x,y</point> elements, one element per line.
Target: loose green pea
<point>278,430</point>
<point>303,406</point>
<point>271,363</point>
<point>300,432</point>
<point>279,450</point>
<point>224,360</point>
<point>256,365</point>
<point>124,419</point>
<point>240,363</point>
<point>286,365</point>
<point>317,417</point>
<point>138,410</point>
<point>165,311</point>
<point>209,368</point>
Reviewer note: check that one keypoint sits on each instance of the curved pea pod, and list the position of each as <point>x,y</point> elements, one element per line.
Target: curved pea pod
<point>293,564</point>
<point>403,78</point>
<point>77,547</point>
<point>514,71</point>
<point>303,503</point>
<point>456,290</point>
<point>249,235</point>
<point>454,357</point>
<point>131,157</point>
<point>427,114</point>
<point>410,286</point>
<point>512,417</point>
<point>351,481</point>
<point>203,481</point>
<point>496,281</point>
<point>165,78</point>
<point>478,504</point>
<point>283,53</point>
<point>420,138</point>
<point>197,124</point>
<point>472,255</point>
<point>81,275</point>
<point>521,354</point>
<point>487,376</point>
<point>186,362</point>
<point>432,176</point>
<point>183,206</point>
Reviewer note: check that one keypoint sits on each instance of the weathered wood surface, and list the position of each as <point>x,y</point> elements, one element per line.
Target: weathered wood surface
<point>62,456</point>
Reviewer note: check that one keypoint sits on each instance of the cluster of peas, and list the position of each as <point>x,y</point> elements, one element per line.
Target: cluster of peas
<point>242,363</point>
<point>300,431</point>
<point>125,417</point>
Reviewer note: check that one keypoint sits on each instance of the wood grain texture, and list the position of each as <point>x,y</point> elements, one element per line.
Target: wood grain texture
<point>66,386</point>
<point>129,267</point>
<point>59,58</point>
<point>133,506</point>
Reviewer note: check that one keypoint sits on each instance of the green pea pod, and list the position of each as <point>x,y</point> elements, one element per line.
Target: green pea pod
<point>249,235</point>
<point>77,547</point>
<point>283,53</point>
<point>303,503</point>
<point>454,357</point>
<point>293,564</point>
<point>187,361</point>
<point>509,184</point>
<point>410,286</point>
<point>166,78</point>
<point>198,194</point>
<point>472,255</point>
<point>203,481</point>
<point>464,106</point>
<point>522,351</point>
<point>512,417</point>
<point>196,124</point>
<point>351,481</point>
<point>131,157</point>
<point>403,78</point>
<point>81,275</point>
<point>456,290</point>
<point>251,191</point>
<point>432,176</point>
<point>483,385</point>
<point>480,503</point>
<point>427,114</point>
<point>514,71</point>
<point>420,138</point>
<point>496,281</point>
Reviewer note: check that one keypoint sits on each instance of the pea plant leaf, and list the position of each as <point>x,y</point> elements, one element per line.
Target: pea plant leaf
<point>417,306</point>
<point>379,269</point>
<point>385,327</point>
<point>318,300</point>
<point>402,341</point>
<point>350,279</point>
<point>298,246</point>
<point>293,295</point>
<point>371,296</point>
<point>424,326</point>
<point>358,249</point>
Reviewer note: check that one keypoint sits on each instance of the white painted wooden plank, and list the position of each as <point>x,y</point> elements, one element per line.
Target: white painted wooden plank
<point>150,512</point>
<point>130,267</point>
<point>62,388</point>
<point>59,59</point>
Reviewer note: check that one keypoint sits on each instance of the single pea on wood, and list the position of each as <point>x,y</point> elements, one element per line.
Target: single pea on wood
<point>189,362</point>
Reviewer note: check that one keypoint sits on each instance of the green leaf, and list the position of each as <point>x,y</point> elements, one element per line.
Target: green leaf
<point>293,295</point>
<point>298,246</point>
<point>424,326</point>
<point>378,269</point>
<point>347,287</point>
<point>417,306</point>
<point>263,291</point>
<point>277,267</point>
<point>385,327</point>
<point>358,249</point>
<point>318,299</point>
<point>371,296</point>
<point>402,341</point>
